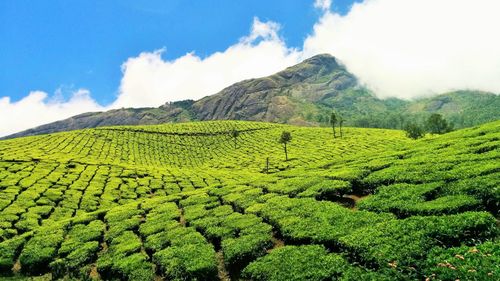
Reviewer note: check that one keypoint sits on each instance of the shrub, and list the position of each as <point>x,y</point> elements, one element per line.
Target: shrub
<point>310,262</point>
<point>414,237</point>
<point>407,200</point>
<point>40,250</point>
<point>327,189</point>
<point>292,186</point>
<point>240,251</point>
<point>414,131</point>
<point>464,263</point>
<point>188,262</point>
<point>8,252</point>
<point>134,267</point>
<point>124,259</point>
<point>307,220</point>
<point>157,224</point>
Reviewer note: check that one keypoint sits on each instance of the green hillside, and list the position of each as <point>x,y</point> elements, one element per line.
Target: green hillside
<point>303,94</point>
<point>191,202</point>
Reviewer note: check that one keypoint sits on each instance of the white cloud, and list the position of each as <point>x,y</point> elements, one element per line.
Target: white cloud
<point>37,109</point>
<point>148,80</point>
<point>323,4</point>
<point>410,48</point>
<point>399,48</point>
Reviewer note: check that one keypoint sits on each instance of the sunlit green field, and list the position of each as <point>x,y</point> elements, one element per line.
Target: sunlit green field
<point>190,202</point>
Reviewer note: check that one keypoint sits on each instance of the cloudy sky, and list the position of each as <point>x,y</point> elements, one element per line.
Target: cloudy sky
<point>61,58</point>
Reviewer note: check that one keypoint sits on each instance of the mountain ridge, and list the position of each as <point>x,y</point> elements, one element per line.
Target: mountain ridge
<point>303,94</point>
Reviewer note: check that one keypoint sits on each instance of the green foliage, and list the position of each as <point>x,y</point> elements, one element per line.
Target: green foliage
<point>123,258</point>
<point>464,263</point>
<point>407,200</point>
<point>436,124</point>
<point>188,262</point>
<point>327,189</point>
<point>40,250</point>
<point>285,138</point>
<point>310,262</point>
<point>292,186</point>
<point>148,202</point>
<point>414,237</point>
<point>310,221</point>
<point>8,252</point>
<point>414,131</point>
<point>240,251</point>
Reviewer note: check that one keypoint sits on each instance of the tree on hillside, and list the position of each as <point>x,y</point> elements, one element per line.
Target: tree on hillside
<point>333,121</point>
<point>235,134</point>
<point>436,124</point>
<point>341,121</point>
<point>285,138</point>
<point>414,131</point>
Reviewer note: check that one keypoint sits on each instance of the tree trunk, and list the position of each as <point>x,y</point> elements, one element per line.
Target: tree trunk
<point>334,136</point>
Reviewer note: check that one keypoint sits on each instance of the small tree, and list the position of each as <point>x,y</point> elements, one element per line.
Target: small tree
<point>341,122</point>
<point>414,131</point>
<point>285,138</point>
<point>235,134</point>
<point>333,121</point>
<point>436,124</point>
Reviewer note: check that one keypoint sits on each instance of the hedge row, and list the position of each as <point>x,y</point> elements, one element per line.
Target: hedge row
<point>413,237</point>
<point>479,262</point>
<point>308,262</point>
<point>310,221</point>
<point>406,200</point>
<point>242,237</point>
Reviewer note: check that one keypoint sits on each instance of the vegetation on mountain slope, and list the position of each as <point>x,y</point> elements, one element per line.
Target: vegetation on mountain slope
<point>304,94</point>
<point>180,202</point>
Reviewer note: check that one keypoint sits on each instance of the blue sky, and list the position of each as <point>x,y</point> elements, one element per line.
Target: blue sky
<point>66,45</point>
<point>62,58</point>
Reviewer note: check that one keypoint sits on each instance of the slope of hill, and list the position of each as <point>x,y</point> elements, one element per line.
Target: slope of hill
<point>191,202</point>
<point>303,94</point>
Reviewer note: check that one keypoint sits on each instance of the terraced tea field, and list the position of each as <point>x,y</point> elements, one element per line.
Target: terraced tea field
<point>192,202</point>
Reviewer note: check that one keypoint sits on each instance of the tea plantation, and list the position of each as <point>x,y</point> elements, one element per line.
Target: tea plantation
<point>195,201</point>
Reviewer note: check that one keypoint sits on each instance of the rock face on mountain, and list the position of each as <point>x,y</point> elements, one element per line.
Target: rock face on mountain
<point>279,97</point>
<point>303,94</point>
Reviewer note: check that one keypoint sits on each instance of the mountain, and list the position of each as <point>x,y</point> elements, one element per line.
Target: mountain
<point>303,94</point>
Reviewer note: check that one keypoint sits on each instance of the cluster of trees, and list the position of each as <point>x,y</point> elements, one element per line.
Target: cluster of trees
<point>435,124</point>
<point>336,119</point>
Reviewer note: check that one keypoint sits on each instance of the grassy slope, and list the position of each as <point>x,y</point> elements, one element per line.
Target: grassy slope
<point>136,193</point>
